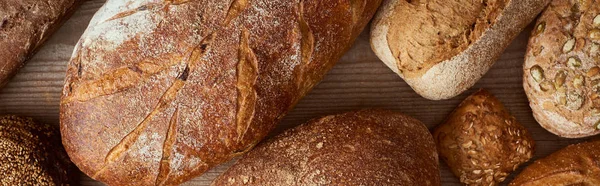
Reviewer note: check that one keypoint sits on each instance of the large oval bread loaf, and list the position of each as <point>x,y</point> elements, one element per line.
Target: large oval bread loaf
<point>369,147</point>
<point>24,26</point>
<point>441,48</point>
<point>577,164</point>
<point>31,154</point>
<point>562,68</point>
<point>158,92</point>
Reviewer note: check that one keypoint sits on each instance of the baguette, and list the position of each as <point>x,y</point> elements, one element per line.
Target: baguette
<point>442,48</point>
<point>158,92</point>
<point>368,147</point>
<point>577,164</point>
<point>561,70</point>
<point>24,26</point>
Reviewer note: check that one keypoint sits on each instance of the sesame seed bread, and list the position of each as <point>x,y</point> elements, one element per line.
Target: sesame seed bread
<point>442,48</point>
<point>577,164</point>
<point>31,154</point>
<point>561,70</point>
<point>481,142</point>
<point>368,147</point>
<point>24,26</point>
<point>158,92</point>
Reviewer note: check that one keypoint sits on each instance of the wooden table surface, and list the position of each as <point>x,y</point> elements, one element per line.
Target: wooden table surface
<point>359,80</point>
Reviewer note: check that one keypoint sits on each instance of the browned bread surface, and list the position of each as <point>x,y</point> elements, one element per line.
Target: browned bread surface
<point>577,164</point>
<point>481,142</point>
<point>24,26</point>
<point>158,92</point>
<point>442,48</point>
<point>368,147</point>
<point>31,154</point>
<point>561,72</point>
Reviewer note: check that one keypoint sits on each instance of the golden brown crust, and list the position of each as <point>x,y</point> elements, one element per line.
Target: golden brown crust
<point>561,71</point>
<point>442,48</point>
<point>24,26</point>
<point>368,147</point>
<point>574,165</point>
<point>31,154</point>
<point>481,142</point>
<point>170,89</point>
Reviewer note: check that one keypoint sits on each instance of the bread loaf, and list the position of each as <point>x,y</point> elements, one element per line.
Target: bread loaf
<point>24,26</point>
<point>369,147</point>
<point>442,48</point>
<point>561,71</point>
<point>31,154</point>
<point>481,142</point>
<point>158,92</point>
<point>574,165</point>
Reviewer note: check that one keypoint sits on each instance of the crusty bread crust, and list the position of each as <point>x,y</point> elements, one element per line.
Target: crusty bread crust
<point>368,147</point>
<point>453,75</point>
<point>574,165</point>
<point>481,142</point>
<point>565,108</point>
<point>24,26</point>
<point>158,92</point>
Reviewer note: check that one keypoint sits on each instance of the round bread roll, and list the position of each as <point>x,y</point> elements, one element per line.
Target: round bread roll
<point>562,77</point>
<point>31,154</point>
<point>574,165</point>
<point>369,147</point>
<point>481,142</point>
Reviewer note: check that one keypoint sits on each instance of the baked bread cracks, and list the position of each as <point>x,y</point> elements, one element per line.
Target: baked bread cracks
<point>158,92</point>
<point>442,48</point>
<point>561,71</point>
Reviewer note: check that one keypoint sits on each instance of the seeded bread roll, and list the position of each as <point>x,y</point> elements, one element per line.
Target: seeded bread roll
<point>158,92</point>
<point>31,154</point>
<point>481,142</point>
<point>561,77</point>
<point>574,165</point>
<point>368,147</point>
<point>441,48</point>
<point>24,26</point>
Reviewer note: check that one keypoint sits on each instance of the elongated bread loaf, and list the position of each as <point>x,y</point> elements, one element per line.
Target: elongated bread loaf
<point>562,68</point>
<point>577,164</point>
<point>441,48</point>
<point>158,92</point>
<point>369,147</point>
<point>24,26</point>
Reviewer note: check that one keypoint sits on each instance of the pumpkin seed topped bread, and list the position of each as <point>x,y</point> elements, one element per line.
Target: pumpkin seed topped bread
<point>31,154</point>
<point>561,72</point>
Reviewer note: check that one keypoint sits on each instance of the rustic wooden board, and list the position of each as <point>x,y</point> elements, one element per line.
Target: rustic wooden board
<point>358,81</point>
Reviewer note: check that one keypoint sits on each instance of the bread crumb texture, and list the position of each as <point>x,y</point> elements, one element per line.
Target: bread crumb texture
<point>31,154</point>
<point>561,72</point>
<point>368,147</point>
<point>481,142</point>
<point>157,92</point>
<point>427,32</point>
<point>24,26</point>
<point>577,164</point>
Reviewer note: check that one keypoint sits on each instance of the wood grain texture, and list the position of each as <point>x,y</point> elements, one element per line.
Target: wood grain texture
<point>359,80</point>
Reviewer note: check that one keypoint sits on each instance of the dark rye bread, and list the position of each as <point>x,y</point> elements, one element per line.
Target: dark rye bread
<point>441,48</point>
<point>577,164</point>
<point>24,26</point>
<point>158,92</point>
<point>31,154</point>
<point>562,68</point>
<point>368,147</point>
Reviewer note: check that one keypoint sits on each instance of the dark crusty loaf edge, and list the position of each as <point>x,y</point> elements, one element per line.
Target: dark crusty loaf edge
<point>23,31</point>
<point>577,164</point>
<point>453,76</point>
<point>368,147</point>
<point>157,93</point>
